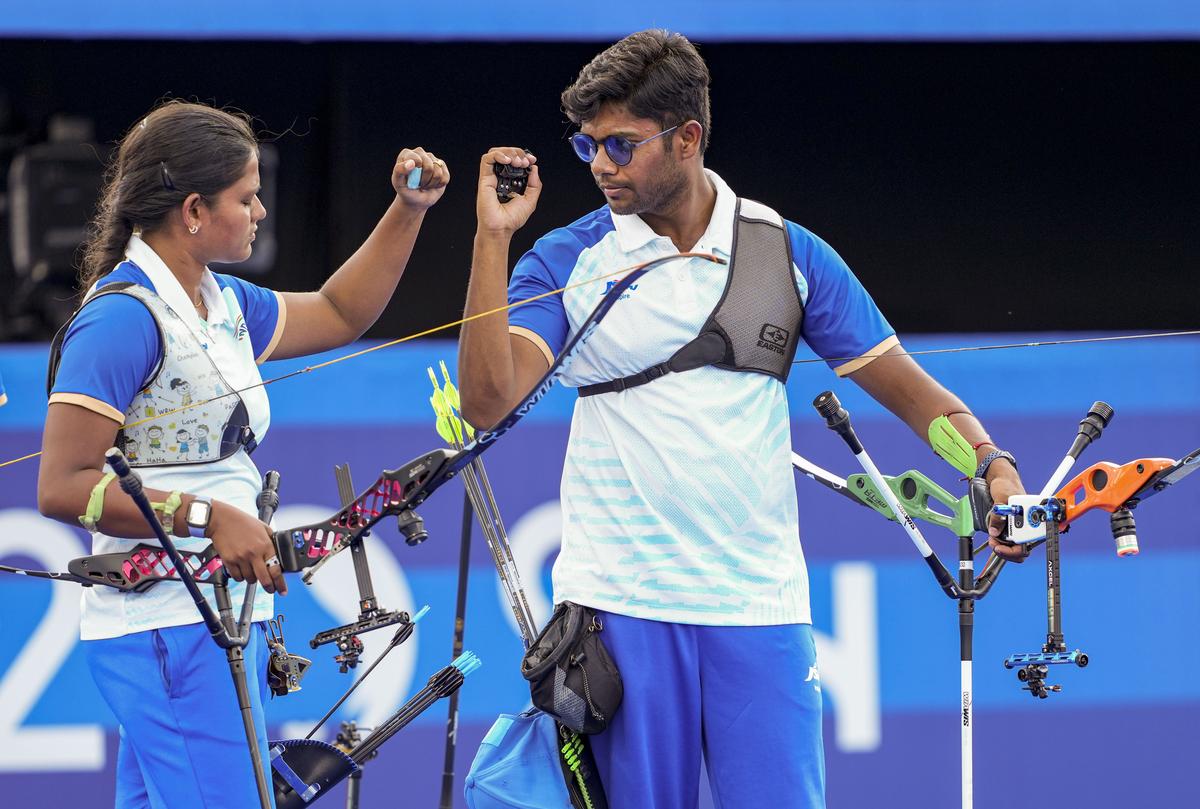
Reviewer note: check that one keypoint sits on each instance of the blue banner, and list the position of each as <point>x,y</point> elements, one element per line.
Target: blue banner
<point>1118,734</point>
<point>703,20</point>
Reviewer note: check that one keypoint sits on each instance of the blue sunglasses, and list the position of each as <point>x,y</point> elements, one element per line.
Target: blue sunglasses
<point>618,147</point>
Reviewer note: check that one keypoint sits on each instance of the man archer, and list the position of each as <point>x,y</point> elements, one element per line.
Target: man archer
<point>703,596</point>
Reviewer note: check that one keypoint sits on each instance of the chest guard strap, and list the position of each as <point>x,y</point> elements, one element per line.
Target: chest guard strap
<point>756,325</point>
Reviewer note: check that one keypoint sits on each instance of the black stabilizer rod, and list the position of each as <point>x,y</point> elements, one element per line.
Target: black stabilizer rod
<point>1098,417</point>
<point>988,577</point>
<point>131,484</point>
<point>944,579</point>
<point>268,498</point>
<point>837,419</point>
<point>267,501</point>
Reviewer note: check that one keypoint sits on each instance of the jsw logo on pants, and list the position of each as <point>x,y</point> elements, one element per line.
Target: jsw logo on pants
<point>814,677</point>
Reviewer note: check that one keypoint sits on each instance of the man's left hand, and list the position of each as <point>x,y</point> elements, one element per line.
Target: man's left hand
<point>1003,482</point>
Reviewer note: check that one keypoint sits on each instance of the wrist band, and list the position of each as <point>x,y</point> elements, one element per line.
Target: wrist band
<point>991,456</point>
<point>95,504</point>
<point>167,510</point>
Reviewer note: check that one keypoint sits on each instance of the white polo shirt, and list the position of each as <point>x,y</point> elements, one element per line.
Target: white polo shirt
<point>109,353</point>
<point>678,498</point>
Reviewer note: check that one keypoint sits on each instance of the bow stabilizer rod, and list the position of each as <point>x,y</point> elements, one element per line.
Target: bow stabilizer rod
<point>838,419</point>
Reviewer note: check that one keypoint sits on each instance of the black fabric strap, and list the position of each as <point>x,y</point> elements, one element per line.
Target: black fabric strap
<point>61,335</point>
<point>626,382</point>
<point>994,455</point>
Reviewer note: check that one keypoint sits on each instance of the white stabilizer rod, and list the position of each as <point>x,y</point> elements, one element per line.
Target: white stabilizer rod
<point>1057,478</point>
<point>910,527</point>
<point>968,722</point>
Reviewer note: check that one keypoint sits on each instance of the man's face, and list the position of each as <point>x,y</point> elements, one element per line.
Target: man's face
<point>654,178</point>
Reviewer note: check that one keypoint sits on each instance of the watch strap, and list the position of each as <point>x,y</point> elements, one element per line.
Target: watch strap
<point>992,456</point>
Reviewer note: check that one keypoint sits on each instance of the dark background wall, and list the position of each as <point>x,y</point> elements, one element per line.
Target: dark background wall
<point>1005,186</point>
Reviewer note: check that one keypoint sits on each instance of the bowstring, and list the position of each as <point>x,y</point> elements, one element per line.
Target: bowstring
<point>426,332</point>
<point>1000,346</point>
<point>390,343</point>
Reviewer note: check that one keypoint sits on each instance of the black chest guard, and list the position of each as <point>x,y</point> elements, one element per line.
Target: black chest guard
<point>756,324</point>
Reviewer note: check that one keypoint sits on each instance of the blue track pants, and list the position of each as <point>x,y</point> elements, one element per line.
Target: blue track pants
<point>183,745</point>
<point>747,698</point>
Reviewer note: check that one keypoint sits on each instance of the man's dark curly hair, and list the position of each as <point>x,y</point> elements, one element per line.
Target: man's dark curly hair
<point>655,74</point>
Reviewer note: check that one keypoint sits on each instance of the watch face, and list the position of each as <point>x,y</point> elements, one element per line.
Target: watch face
<point>198,513</point>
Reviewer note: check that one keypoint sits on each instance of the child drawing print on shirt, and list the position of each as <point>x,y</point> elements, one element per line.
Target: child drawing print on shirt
<point>130,449</point>
<point>184,389</point>
<point>155,435</point>
<point>202,440</point>
<point>183,437</point>
<point>148,402</point>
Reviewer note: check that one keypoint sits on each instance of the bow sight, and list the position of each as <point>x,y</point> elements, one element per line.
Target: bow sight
<point>1031,520</point>
<point>1036,519</point>
<point>371,616</point>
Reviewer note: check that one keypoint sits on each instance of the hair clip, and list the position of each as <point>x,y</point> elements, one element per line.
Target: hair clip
<point>166,177</point>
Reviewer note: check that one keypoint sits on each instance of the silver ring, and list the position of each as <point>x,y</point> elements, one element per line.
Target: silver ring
<point>272,562</point>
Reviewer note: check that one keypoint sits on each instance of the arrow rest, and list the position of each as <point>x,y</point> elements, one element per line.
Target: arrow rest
<point>284,670</point>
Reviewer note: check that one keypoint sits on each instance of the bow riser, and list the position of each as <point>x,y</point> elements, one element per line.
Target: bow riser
<point>143,566</point>
<point>395,492</point>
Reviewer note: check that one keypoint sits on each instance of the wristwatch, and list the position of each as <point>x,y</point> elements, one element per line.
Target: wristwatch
<point>991,456</point>
<point>199,512</point>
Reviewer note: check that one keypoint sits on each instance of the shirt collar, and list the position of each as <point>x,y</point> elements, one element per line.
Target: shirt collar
<point>167,286</point>
<point>633,232</point>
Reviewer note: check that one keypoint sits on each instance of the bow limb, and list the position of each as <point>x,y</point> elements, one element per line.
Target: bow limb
<point>823,476</point>
<point>46,574</point>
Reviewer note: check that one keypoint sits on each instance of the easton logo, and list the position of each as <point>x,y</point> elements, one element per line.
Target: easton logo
<point>774,338</point>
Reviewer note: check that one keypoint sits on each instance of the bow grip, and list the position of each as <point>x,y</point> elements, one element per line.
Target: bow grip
<point>980,496</point>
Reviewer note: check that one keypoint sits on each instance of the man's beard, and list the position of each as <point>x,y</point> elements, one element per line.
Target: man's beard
<point>658,195</point>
